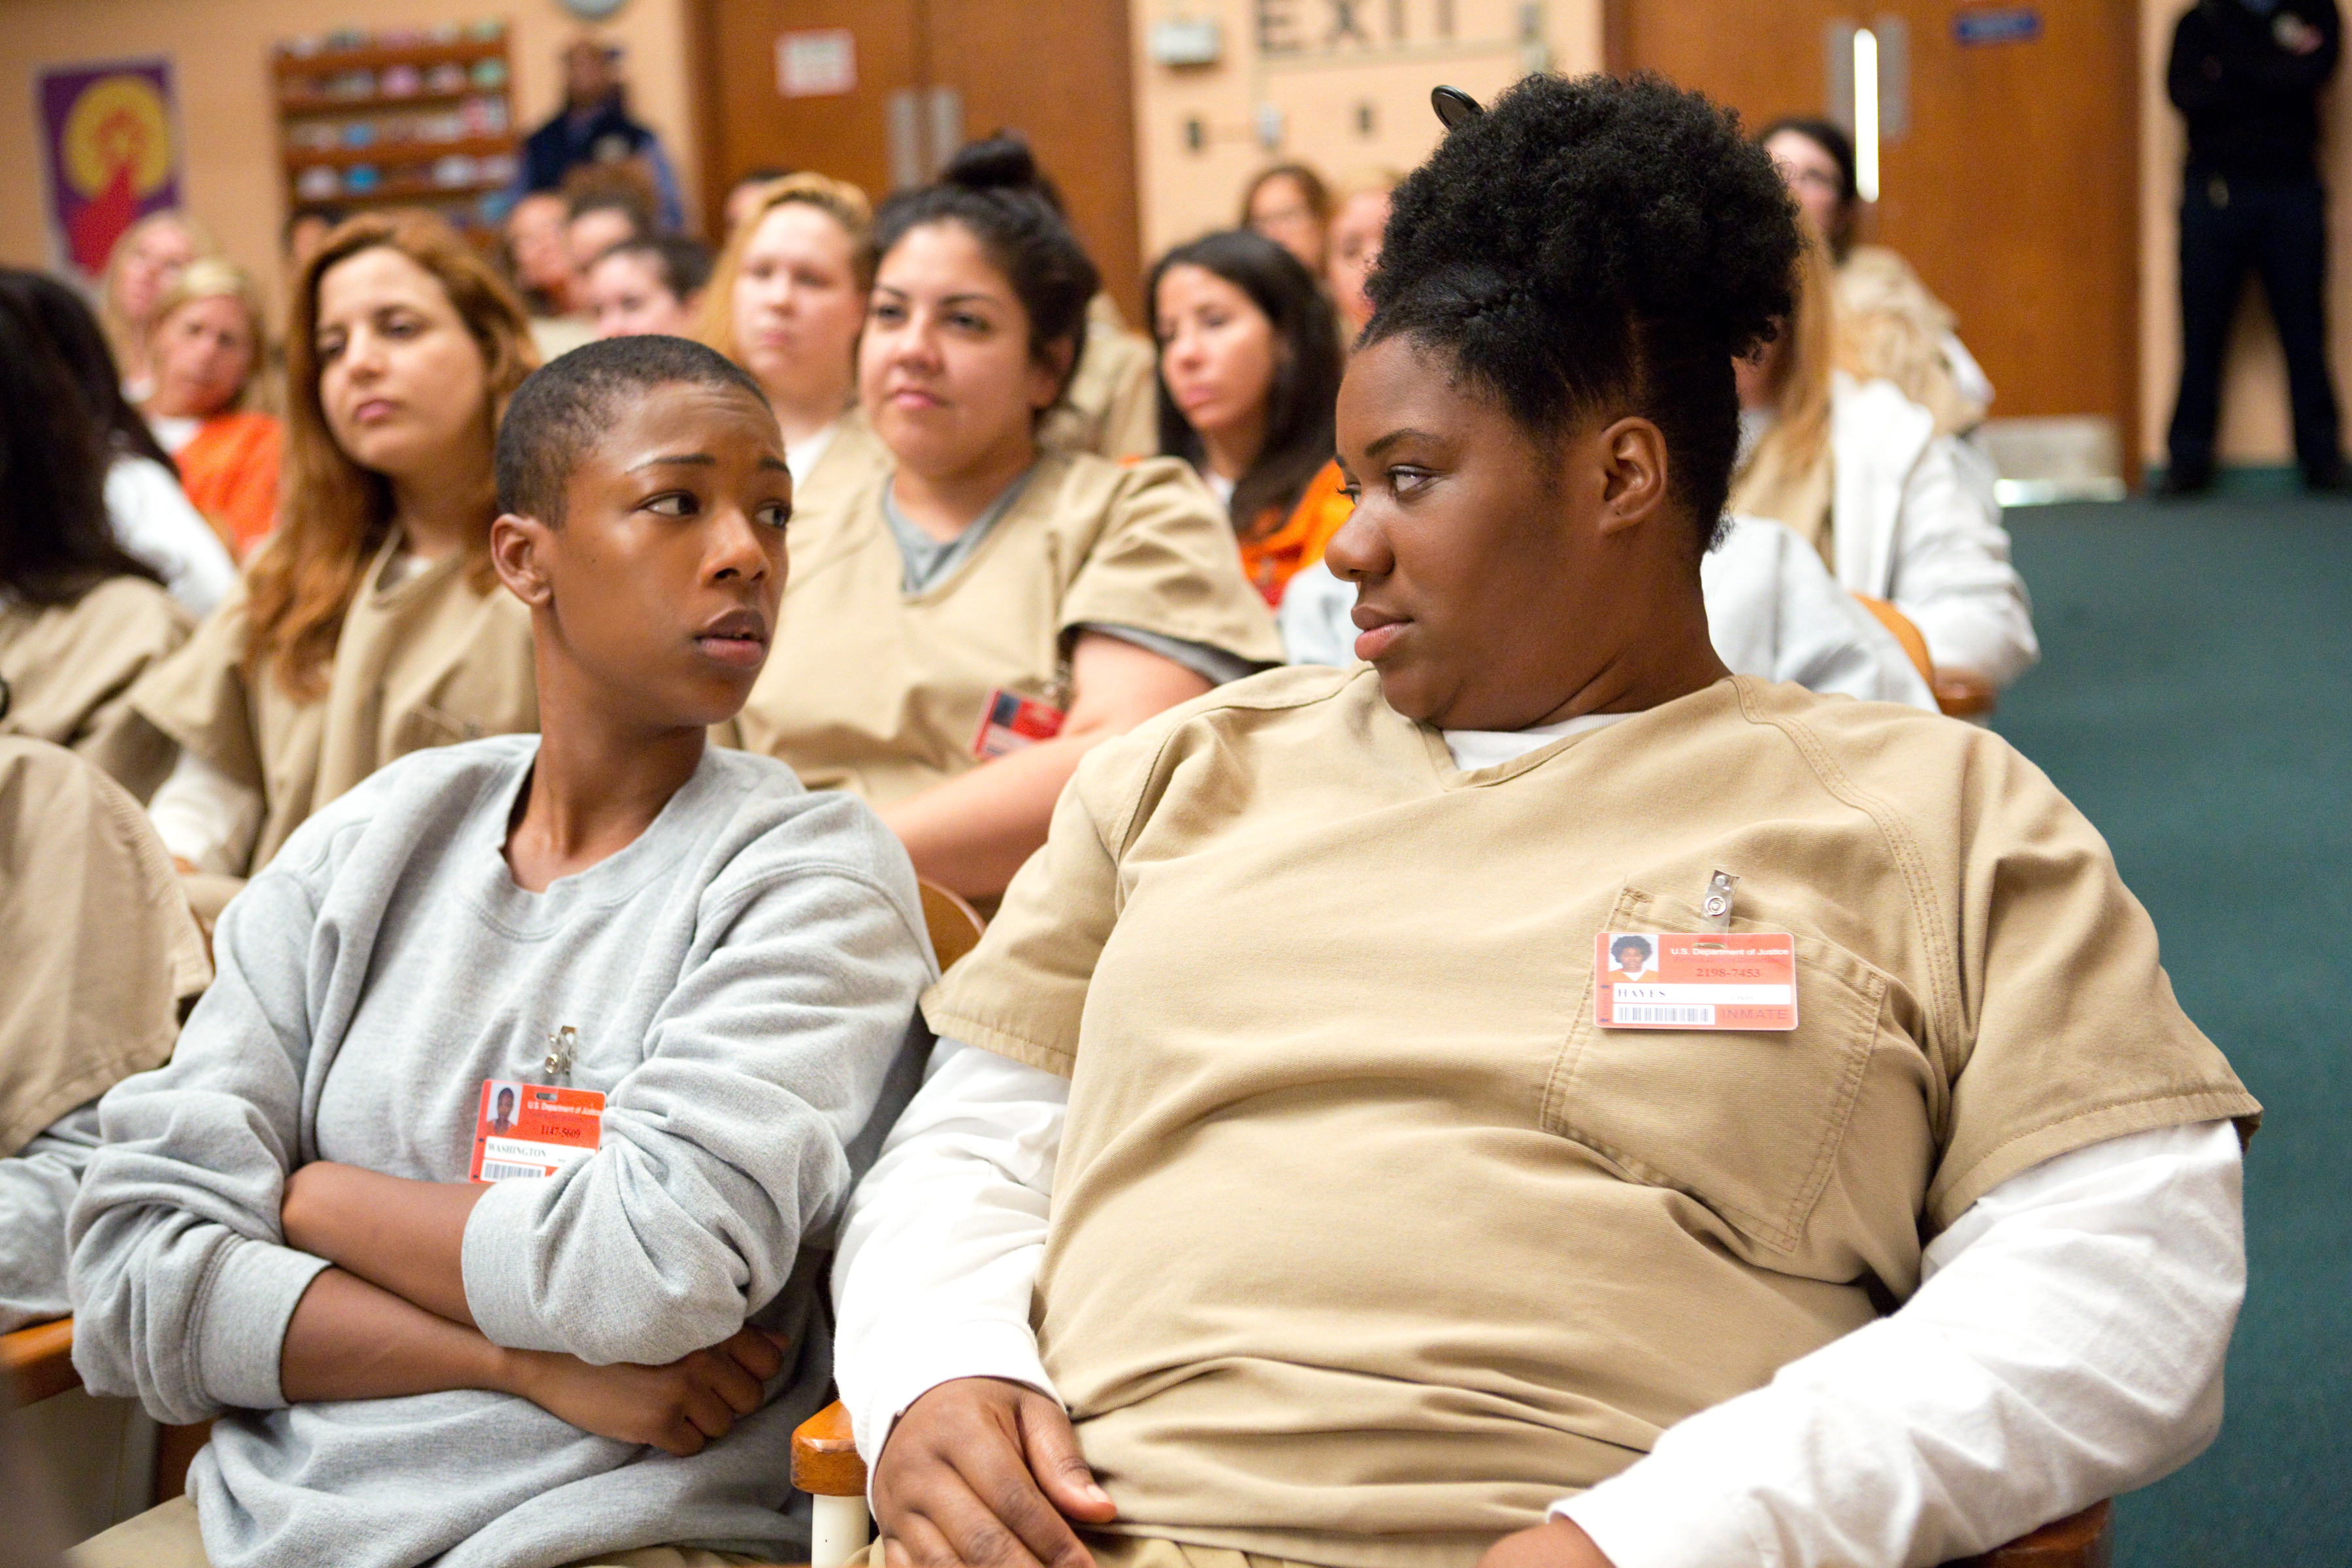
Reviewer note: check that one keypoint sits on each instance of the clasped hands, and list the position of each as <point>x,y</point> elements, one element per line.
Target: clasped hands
<point>390,1318</point>
<point>985,1473</point>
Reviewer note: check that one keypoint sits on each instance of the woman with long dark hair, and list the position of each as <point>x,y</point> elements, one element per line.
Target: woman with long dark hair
<point>1249,370</point>
<point>983,611</point>
<point>150,515</point>
<point>80,616</point>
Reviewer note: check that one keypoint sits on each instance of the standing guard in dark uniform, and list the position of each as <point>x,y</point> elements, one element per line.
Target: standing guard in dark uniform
<point>2246,75</point>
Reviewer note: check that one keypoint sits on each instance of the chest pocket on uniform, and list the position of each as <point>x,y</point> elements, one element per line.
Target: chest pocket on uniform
<point>1748,1123</point>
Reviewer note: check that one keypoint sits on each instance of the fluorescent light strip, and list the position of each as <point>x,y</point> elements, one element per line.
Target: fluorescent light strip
<point>1865,114</point>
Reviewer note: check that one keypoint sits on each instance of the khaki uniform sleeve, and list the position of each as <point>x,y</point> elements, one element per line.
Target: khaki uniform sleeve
<point>2073,1035</point>
<point>198,695</point>
<point>94,934</point>
<point>1023,991</point>
<point>1166,563</point>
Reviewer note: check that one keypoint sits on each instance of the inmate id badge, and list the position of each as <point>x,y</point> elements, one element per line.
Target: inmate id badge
<point>531,1130</point>
<point>1708,980</point>
<point>1009,723</point>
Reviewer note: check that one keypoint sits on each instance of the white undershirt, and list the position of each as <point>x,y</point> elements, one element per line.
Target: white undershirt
<point>2065,1343</point>
<point>802,456</point>
<point>173,431</point>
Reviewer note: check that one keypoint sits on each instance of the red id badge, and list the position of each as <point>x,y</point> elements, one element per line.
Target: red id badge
<point>531,1130</point>
<point>1707,980</point>
<point>1009,723</point>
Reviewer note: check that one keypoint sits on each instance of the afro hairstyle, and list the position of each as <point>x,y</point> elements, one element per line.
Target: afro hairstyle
<point>561,409</point>
<point>1595,248</point>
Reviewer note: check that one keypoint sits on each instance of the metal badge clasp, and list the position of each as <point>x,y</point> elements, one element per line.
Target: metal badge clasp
<point>1716,905</point>
<point>559,1046</point>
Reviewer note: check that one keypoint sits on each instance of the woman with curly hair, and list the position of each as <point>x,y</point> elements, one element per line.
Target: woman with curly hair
<point>369,624</point>
<point>1289,1160</point>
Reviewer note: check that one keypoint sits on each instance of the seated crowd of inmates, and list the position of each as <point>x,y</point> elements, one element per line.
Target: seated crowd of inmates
<point>483,1049</point>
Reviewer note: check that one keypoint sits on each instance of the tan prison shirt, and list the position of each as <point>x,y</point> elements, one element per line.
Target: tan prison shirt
<point>70,670</point>
<point>871,689</point>
<point>1366,1243</point>
<point>1112,407</point>
<point>425,661</point>
<point>96,938</point>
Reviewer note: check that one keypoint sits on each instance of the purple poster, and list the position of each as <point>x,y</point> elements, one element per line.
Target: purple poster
<point>112,135</point>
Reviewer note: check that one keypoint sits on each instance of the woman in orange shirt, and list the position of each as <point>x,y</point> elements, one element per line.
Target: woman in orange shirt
<point>1249,373</point>
<point>202,353</point>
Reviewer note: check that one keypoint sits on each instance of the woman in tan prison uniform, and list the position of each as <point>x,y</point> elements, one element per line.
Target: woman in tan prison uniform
<point>102,957</point>
<point>81,618</point>
<point>369,625</point>
<point>785,301</point>
<point>1273,1135</point>
<point>983,613</point>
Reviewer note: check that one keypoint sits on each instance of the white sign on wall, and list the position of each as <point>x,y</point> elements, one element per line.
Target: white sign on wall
<point>816,62</point>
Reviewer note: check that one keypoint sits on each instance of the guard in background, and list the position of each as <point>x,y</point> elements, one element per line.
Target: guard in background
<point>2246,75</point>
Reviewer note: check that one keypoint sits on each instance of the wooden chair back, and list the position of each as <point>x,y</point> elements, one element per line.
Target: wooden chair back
<point>955,926</point>
<point>1957,695</point>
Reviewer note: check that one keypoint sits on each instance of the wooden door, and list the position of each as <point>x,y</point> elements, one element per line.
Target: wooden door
<point>2012,185</point>
<point>749,123</point>
<point>928,74</point>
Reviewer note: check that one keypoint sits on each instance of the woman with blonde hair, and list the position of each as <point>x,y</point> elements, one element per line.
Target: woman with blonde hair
<point>142,266</point>
<point>786,301</point>
<point>369,624</point>
<point>206,352</point>
<point>1897,510</point>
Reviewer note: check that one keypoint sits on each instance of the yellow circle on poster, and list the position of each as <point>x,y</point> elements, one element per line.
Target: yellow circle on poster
<point>117,122</point>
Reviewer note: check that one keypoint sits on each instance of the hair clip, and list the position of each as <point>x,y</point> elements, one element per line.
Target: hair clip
<point>1454,107</point>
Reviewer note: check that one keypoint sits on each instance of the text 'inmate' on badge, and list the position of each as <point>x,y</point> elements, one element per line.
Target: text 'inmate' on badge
<point>1010,722</point>
<point>1665,980</point>
<point>531,1130</point>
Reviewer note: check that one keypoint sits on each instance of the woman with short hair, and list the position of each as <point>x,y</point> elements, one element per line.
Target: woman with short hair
<point>206,349</point>
<point>1290,1159</point>
<point>1249,368</point>
<point>369,625</point>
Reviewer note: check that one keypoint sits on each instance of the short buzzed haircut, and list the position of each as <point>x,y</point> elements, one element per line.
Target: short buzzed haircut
<point>562,407</point>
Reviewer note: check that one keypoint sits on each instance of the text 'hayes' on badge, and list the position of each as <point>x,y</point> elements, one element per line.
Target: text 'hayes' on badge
<point>532,1129</point>
<point>1707,980</point>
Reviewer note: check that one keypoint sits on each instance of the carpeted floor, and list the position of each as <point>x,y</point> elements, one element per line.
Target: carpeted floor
<point>2195,700</point>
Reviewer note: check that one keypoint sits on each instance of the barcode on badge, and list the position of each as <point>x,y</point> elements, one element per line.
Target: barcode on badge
<point>500,1171</point>
<point>1701,1018</point>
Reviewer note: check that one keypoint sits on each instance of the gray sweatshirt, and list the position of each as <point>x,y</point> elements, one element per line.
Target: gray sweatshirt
<point>743,979</point>
<point>36,1188</point>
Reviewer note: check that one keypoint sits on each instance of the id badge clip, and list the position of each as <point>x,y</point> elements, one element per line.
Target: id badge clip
<point>533,1129</point>
<point>1011,722</point>
<point>1712,979</point>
